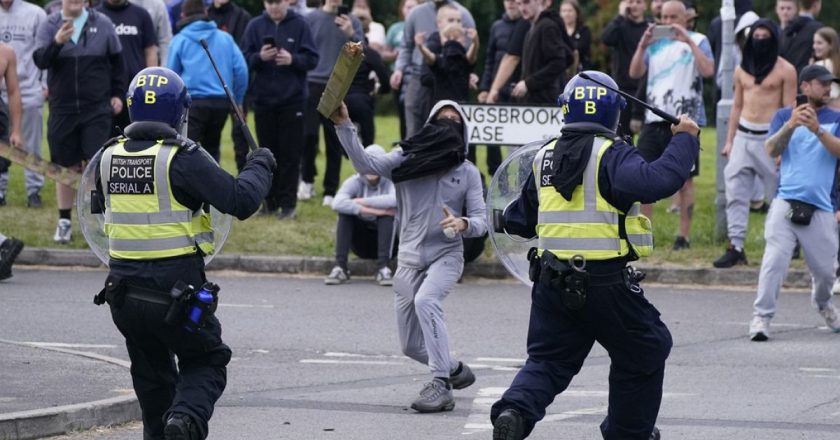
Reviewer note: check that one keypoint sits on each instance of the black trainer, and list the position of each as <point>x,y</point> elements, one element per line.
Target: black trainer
<point>9,250</point>
<point>731,257</point>
<point>180,427</point>
<point>509,426</point>
<point>680,243</point>
<point>34,201</point>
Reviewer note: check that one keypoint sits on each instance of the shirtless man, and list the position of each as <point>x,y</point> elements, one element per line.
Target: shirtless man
<point>764,83</point>
<point>11,134</point>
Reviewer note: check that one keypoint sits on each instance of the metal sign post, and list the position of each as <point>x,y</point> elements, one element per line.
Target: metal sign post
<point>724,108</point>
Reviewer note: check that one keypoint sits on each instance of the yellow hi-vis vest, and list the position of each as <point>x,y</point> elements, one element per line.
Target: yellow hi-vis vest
<point>143,220</point>
<point>587,225</point>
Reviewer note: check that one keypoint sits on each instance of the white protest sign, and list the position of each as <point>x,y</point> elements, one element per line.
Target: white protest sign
<point>511,124</point>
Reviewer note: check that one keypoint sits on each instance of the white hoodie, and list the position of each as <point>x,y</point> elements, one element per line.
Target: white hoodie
<point>18,26</point>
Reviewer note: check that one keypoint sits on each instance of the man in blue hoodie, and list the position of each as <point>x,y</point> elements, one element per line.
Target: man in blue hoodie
<point>210,106</point>
<point>279,48</point>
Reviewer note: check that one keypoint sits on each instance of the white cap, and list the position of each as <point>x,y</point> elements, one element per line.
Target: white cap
<point>746,21</point>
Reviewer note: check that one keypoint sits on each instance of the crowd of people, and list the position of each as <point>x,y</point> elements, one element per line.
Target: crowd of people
<point>80,57</point>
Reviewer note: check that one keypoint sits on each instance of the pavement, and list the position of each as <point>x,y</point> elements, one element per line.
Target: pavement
<point>47,388</point>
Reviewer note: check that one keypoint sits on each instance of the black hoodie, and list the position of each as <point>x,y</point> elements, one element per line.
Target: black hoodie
<point>546,56</point>
<point>798,41</point>
<point>760,56</point>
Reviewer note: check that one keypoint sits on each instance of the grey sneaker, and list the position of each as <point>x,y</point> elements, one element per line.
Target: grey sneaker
<point>384,277</point>
<point>759,328</point>
<point>337,276</point>
<point>463,379</point>
<point>832,319</point>
<point>63,231</point>
<point>509,426</point>
<point>436,396</point>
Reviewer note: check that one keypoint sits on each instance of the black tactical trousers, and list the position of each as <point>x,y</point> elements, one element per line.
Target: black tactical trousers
<point>198,382</point>
<point>620,318</point>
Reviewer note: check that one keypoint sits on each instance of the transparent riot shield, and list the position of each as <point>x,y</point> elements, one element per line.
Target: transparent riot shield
<point>505,187</point>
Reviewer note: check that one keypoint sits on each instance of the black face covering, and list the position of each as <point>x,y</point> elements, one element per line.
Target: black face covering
<point>438,146</point>
<point>760,56</point>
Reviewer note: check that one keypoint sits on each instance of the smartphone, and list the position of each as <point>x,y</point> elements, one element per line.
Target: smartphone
<point>268,41</point>
<point>343,10</point>
<point>801,99</point>
<point>662,31</point>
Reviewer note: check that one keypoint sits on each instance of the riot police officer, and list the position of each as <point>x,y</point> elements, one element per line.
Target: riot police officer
<point>155,187</point>
<point>582,202</point>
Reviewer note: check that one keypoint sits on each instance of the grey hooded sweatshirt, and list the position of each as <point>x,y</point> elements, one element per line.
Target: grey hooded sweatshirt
<point>420,201</point>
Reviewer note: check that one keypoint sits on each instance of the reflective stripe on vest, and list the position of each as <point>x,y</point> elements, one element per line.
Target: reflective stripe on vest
<point>587,224</point>
<point>143,220</point>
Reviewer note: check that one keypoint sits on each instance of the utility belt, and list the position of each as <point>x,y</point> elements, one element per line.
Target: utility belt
<point>573,281</point>
<point>187,306</point>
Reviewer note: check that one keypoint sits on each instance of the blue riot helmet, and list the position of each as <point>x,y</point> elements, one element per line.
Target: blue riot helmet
<point>159,94</point>
<point>586,101</point>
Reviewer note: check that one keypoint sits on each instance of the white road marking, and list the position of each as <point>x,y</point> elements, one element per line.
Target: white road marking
<point>348,362</point>
<point>65,345</point>
<point>339,354</point>
<point>817,370</point>
<point>247,306</point>
<point>500,360</point>
<point>478,420</point>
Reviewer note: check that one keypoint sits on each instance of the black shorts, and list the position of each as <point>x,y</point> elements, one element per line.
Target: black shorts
<point>652,142</point>
<point>76,137</point>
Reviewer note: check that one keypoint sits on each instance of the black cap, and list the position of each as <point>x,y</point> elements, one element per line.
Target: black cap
<point>817,72</point>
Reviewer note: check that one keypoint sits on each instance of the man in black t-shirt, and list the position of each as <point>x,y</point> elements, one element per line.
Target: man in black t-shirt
<point>138,38</point>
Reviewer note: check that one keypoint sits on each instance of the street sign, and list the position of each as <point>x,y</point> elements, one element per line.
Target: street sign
<point>511,124</point>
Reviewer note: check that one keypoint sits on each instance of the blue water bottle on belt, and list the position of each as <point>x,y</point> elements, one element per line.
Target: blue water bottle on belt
<point>203,305</point>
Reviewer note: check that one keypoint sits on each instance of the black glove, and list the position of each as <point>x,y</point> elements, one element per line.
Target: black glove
<point>265,156</point>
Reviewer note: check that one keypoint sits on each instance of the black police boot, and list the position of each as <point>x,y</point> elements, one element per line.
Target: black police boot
<point>655,434</point>
<point>731,257</point>
<point>181,427</point>
<point>509,426</point>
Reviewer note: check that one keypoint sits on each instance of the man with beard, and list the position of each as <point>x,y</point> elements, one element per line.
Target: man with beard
<point>439,199</point>
<point>763,83</point>
<point>806,138</point>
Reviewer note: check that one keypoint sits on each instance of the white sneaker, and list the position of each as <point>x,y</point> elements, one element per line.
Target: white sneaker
<point>305,191</point>
<point>384,277</point>
<point>832,320</point>
<point>835,289</point>
<point>760,328</point>
<point>64,231</point>
<point>327,201</point>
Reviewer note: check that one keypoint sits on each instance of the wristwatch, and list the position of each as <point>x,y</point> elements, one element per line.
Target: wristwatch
<point>819,132</point>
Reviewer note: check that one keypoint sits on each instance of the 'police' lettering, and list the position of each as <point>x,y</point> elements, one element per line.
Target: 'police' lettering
<point>150,97</point>
<point>132,175</point>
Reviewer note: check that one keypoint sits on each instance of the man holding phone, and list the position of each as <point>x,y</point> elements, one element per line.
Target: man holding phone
<point>806,139</point>
<point>280,50</point>
<point>764,81</point>
<point>675,68</point>
<point>331,26</point>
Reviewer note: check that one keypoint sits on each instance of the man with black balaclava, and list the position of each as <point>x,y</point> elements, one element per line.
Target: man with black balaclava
<point>764,83</point>
<point>439,199</point>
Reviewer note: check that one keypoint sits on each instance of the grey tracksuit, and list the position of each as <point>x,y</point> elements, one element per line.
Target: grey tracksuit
<point>18,26</point>
<point>429,263</point>
<point>747,161</point>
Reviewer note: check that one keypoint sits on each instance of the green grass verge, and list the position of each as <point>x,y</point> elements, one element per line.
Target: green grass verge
<point>312,233</point>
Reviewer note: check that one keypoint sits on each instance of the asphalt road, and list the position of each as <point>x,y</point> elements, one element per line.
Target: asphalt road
<point>321,362</point>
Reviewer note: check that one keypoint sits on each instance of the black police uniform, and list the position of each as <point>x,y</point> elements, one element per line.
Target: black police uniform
<point>615,313</point>
<point>201,375</point>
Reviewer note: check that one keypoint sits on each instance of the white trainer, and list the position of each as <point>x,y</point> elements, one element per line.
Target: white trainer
<point>760,328</point>
<point>63,231</point>
<point>305,191</point>
<point>832,320</point>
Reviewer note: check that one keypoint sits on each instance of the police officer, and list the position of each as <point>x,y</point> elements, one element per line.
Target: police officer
<point>582,202</point>
<point>157,185</point>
